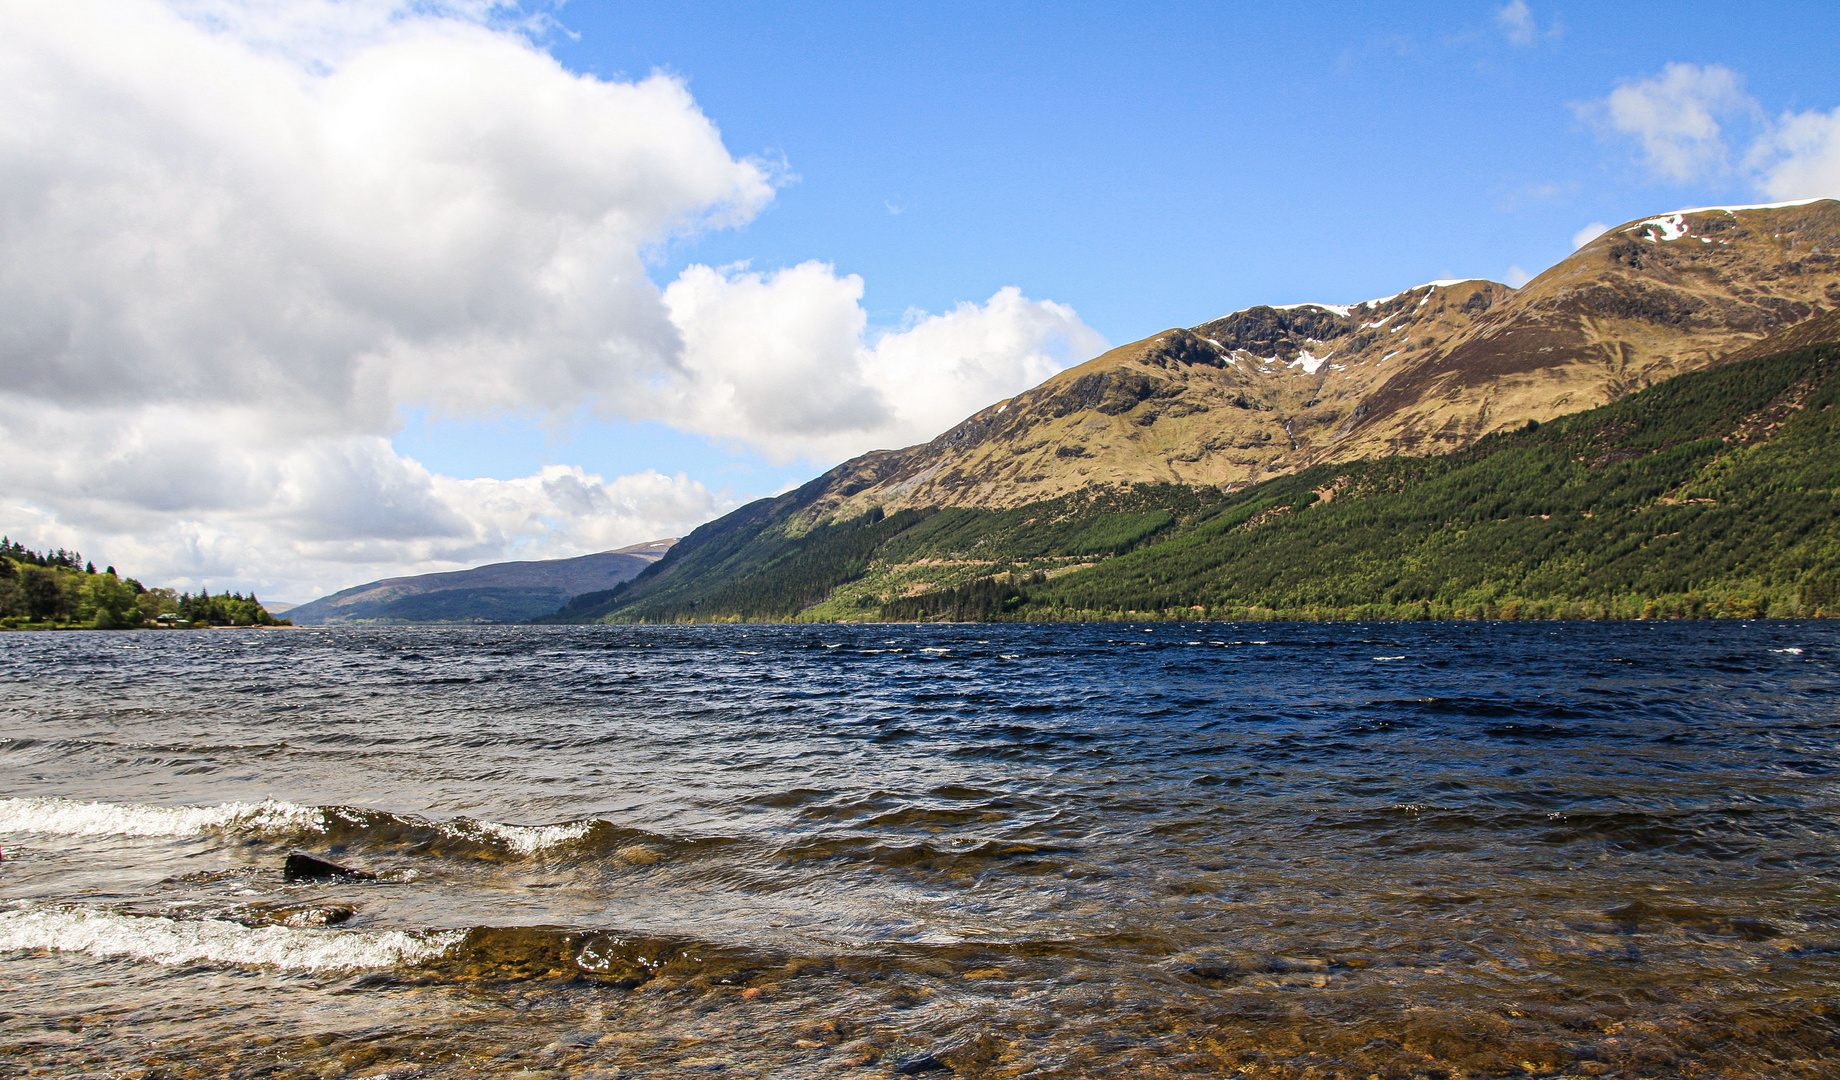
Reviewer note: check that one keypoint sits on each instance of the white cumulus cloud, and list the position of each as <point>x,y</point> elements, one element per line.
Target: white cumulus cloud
<point>1689,121</point>
<point>1799,158</point>
<point>448,216</point>
<point>193,496</point>
<point>1676,118</point>
<point>239,237</point>
<point>783,361</point>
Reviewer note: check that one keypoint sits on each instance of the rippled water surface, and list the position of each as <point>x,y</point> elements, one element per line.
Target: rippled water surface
<point>1266,850</point>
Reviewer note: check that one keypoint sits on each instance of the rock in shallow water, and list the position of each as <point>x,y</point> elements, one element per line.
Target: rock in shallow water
<point>304,867</point>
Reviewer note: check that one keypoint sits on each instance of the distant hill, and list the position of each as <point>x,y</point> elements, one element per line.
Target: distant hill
<point>505,592</point>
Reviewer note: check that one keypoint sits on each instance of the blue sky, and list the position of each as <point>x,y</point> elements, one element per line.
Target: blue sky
<point>1152,165</point>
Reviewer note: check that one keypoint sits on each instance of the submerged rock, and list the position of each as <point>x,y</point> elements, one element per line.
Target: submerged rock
<point>306,917</point>
<point>301,866</point>
<point>925,1063</point>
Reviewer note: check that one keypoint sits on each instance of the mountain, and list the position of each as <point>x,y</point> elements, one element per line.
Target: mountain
<point>1129,450</point>
<point>1270,390</point>
<point>1716,493</point>
<point>500,592</point>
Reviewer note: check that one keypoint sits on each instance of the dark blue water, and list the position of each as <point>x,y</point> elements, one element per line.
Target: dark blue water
<point>1256,849</point>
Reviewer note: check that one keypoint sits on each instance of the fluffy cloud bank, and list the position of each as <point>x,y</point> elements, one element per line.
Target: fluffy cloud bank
<point>779,361</point>
<point>1685,117</point>
<point>239,237</point>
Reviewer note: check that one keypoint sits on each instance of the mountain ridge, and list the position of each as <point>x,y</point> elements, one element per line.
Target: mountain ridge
<point>515,591</point>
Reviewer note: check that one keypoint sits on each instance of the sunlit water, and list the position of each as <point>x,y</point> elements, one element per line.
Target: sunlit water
<point>1111,851</point>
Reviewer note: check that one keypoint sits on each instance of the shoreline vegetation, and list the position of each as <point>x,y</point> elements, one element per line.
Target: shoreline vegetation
<point>58,590</point>
<point>1712,495</point>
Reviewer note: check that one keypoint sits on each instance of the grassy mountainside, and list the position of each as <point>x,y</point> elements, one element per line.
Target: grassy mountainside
<point>1270,390</point>
<point>1713,493</point>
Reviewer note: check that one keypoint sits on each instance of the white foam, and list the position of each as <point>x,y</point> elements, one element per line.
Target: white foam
<point>191,941</point>
<point>520,839</point>
<point>66,817</point>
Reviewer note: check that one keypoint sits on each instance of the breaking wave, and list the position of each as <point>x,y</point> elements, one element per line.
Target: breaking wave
<point>192,941</point>
<point>66,817</point>
<point>276,820</point>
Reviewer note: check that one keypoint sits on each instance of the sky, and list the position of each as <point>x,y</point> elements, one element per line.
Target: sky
<point>297,294</point>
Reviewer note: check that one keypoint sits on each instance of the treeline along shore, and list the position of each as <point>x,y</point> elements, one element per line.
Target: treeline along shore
<point>58,590</point>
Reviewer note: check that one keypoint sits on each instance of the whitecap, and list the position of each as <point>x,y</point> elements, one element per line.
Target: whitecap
<point>68,817</point>
<point>191,941</point>
<point>519,839</point>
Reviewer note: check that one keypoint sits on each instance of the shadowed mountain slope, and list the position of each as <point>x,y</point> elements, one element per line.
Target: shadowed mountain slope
<point>500,592</point>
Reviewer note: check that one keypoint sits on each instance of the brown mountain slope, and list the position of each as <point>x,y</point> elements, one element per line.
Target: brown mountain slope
<point>1266,391</point>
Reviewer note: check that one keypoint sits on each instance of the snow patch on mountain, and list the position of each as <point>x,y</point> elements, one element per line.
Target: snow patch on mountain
<point>1339,309</point>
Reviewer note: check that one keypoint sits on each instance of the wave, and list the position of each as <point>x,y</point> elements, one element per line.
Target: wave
<point>67,817</point>
<point>521,839</point>
<point>276,820</point>
<point>192,941</point>
<point>480,953</point>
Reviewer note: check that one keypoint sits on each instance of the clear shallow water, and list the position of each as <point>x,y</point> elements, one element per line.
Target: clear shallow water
<point>1394,850</point>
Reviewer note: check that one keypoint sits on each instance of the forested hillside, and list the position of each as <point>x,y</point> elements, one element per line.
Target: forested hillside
<point>59,590</point>
<point>1710,494</point>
